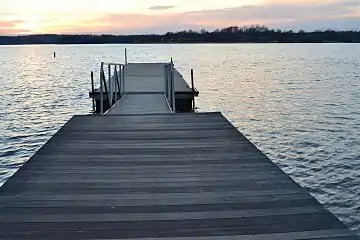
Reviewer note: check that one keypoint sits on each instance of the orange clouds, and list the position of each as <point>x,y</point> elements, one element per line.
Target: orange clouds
<point>10,27</point>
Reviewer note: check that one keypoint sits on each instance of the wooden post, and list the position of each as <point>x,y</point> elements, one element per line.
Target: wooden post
<point>192,80</point>
<point>193,88</point>
<point>93,89</point>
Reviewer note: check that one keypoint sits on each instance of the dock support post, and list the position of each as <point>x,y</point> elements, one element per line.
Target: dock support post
<point>93,89</point>
<point>193,88</point>
<point>192,80</point>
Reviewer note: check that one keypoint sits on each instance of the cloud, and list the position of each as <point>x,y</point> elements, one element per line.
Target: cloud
<point>338,14</point>
<point>9,27</point>
<point>9,24</point>
<point>336,24</point>
<point>278,12</point>
<point>160,8</point>
<point>298,14</point>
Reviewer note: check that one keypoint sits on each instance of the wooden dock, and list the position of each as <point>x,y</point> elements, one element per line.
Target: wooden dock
<point>143,171</point>
<point>171,176</point>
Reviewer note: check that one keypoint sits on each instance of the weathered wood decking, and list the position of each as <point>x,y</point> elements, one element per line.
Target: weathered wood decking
<point>182,176</point>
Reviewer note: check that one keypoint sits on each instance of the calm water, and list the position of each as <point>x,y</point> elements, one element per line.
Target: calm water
<point>299,103</point>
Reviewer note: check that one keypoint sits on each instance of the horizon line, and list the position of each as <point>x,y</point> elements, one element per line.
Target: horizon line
<point>198,31</point>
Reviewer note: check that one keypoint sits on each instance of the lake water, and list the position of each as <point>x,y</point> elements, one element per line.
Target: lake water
<point>299,103</point>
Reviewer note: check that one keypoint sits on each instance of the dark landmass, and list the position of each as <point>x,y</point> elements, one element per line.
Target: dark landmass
<point>252,34</point>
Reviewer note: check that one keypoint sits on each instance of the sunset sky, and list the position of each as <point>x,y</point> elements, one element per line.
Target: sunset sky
<point>158,16</point>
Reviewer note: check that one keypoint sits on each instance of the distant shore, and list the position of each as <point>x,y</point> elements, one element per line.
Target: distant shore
<point>253,34</point>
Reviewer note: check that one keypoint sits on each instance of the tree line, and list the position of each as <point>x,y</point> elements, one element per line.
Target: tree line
<point>233,34</point>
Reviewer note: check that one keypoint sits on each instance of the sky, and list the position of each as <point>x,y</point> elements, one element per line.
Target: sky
<point>160,16</point>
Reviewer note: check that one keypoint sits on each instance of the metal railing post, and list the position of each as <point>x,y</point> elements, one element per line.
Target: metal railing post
<point>166,82</point>
<point>123,79</point>
<point>110,92</point>
<point>169,87</point>
<point>173,88</point>
<point>93,90</point>
<point>101,89</point>
<point>126,57</point>
<point>117,84</point>
<point>120,81</point>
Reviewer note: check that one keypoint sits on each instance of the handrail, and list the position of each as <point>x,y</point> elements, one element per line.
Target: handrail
<point>113,86</point>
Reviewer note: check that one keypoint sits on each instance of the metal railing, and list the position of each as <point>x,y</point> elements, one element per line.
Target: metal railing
<point>170,86</point>
<point>112,84</point>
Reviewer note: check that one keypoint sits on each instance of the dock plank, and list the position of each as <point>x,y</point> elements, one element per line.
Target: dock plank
<point>168,176</point>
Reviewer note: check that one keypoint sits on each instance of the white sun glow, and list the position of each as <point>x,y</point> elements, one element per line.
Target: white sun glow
<point>31,23</point>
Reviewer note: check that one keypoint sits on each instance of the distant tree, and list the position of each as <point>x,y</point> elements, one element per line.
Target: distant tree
<point>233,34</point>
<point>203,31</point>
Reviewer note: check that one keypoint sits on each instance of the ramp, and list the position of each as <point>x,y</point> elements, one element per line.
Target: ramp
<point>143,88</point>
<point>145,103</point>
